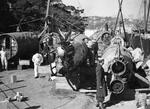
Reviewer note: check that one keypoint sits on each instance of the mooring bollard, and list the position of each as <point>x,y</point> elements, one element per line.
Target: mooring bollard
<point>53,85</point>
<point>13,78</point>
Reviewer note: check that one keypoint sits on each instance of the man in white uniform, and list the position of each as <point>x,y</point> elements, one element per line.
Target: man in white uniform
<point>3,59</point>
<point>138,57</point>
<point>37,60</point>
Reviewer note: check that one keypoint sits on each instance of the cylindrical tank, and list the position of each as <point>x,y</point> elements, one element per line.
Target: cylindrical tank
<point>19,45</point>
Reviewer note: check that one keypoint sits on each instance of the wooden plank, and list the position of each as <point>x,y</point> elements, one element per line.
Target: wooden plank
<point>87,91</point>
<point>24,62</point>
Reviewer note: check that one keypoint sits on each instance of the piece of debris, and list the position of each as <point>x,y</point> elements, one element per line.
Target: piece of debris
<point>53,78</point>
<point>19,97</point>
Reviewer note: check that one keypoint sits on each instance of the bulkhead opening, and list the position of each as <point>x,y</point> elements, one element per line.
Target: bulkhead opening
<point>10,44</point>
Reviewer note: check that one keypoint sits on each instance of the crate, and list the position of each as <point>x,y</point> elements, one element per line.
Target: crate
<point>24,62</point>
<point>44,69</point>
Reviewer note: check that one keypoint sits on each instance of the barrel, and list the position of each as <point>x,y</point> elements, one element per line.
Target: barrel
<point>19,45</point>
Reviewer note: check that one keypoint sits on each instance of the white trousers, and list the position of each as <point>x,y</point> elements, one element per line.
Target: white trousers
<point>4,63</point>
<point>53,65</point>
<point>36,70</point>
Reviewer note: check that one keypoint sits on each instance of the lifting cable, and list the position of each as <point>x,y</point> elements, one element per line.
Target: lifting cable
<point>141,42</point>
<point>67,23</point>
<point>26,22</point>
<point>60,23</point>
<point>42,18</point>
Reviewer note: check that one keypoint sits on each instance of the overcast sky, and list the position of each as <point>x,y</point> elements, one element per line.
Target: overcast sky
<point>107,7</point>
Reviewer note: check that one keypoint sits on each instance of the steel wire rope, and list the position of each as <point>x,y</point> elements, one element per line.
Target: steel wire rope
<point>51,26</point>
<point>72,24</point>
<point>63,24</point>
<point>67,22</point>
<point>41,19</point>
<point>147,20</point>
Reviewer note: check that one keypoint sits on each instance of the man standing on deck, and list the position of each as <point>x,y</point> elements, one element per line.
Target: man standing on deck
<point>37,60</point>
<point>3,59</point>
<point>138,57</point>
<point>100,84</point>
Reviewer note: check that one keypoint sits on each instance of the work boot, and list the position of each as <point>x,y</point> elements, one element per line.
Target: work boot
<point>36,76</point>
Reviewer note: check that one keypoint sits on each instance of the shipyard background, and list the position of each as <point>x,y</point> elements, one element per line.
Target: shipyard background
<point>22,21</point>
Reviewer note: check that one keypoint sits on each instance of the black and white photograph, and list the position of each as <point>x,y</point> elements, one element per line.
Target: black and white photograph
<point>74,54</point>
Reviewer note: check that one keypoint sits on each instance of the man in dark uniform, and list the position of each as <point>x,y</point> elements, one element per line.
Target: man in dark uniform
<point>45,52</point>
<point>100,84</point>
<point>92,50</point>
